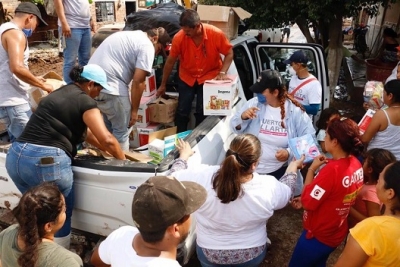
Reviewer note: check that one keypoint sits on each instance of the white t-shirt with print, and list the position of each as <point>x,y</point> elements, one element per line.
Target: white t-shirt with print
<point>117,251</point>
<point>309,93</point>
<point>272,137</point>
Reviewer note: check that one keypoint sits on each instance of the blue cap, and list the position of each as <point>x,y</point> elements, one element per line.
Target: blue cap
<point>95,73</point>
<point>297,57</point>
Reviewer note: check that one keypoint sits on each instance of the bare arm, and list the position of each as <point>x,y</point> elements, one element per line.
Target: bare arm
<point>373,127</point>
<point>225,65</point>
<point>138,84</point>
<point>103,137</point>
<point>353,255</point>
<point>14,42</point>
<point>66,30</point>
<point>227,61</point>
<point>95,259</point>
<point>169,65</point>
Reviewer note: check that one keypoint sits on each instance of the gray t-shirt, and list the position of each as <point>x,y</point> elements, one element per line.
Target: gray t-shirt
<point>120,54</point>
<point>77,13</point>
<point>50,254</point>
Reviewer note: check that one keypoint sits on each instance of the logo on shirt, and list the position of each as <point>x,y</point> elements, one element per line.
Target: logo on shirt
<point>317,192</point>
<point>355,178</point>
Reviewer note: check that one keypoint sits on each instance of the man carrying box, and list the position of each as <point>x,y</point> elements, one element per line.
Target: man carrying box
<point>198,47</point>
<point>126,56</point>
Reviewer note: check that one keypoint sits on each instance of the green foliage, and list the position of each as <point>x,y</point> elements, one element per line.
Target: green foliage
<point>272,13</point>
<point>36,2</point>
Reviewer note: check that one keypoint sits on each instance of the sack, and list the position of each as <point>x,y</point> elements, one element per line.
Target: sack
<point>164,15</point>
<point>49,7</point>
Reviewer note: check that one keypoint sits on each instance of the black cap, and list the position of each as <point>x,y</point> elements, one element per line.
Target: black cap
<point>30,8</point>
<point>297,57</point>
<point>268,79</point>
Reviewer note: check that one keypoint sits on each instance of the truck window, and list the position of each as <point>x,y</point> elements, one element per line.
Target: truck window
<point>273,57</point>
<point>244,69</point>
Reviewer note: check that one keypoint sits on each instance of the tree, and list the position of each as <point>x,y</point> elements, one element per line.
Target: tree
<point>326,15</point>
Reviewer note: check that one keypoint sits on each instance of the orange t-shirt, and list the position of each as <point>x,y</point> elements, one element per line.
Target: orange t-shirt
<point>201,62</point>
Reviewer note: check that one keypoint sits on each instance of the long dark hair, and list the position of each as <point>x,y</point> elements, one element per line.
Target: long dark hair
<point>282,94</point>
<point>39,205</point>
<point>377,159</point>
<point>244,150</point>
<point>347,134</point>
<point>392,181</point>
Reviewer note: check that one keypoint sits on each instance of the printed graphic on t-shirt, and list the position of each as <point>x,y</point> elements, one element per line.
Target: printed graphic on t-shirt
<point>317,192</point>
<point>272,127</point>
<point>299,95</point>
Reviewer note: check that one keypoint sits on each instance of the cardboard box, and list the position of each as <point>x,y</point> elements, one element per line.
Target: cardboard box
<point>140,135</point>
<point>36,94</point>
<point>162,142</point>
<point>223,17</point>
<point>365,121</point>
<point>144,111</point>
<point>162,110</point>
<point>219,96</point>
<point>151,86</point>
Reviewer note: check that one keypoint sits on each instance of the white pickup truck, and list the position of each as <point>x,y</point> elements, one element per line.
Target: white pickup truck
<point>104,188</point>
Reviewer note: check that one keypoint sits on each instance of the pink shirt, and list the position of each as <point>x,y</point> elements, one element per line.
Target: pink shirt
<point>367,193</point>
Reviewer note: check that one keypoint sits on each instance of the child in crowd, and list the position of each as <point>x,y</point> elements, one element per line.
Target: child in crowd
<point>375,240</point>
<point>367,203</point>
<point>40,214</point>
<point>326,115</point>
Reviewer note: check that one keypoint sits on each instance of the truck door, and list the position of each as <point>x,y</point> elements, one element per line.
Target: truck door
<point>271,56</point>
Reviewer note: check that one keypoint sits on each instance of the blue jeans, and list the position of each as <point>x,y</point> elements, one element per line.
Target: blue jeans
<point>251,263</point>
<point>23,164</point>
<point>116,114</point>
<point>186,96</point>
<point>310,252</point>
<point>78,45</point>
<point>15,118</point>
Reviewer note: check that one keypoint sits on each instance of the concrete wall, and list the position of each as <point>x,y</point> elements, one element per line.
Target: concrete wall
<point>390,18</point>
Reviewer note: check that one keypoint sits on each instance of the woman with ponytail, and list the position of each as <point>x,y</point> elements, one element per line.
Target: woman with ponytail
<point>40,214</point>
<point>329,194</point>
<point>231,224</point>
<point>63,119</point>
<point>274,117</point>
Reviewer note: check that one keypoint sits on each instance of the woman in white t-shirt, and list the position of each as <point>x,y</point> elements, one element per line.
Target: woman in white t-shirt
<point>274,117</point>
<point>231,224</point>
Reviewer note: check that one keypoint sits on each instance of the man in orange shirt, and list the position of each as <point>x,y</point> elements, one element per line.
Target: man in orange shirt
<point>199,47</point>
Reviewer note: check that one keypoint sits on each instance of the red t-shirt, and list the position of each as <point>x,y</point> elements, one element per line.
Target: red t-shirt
<point>327,200</point>
<point>201,62</point>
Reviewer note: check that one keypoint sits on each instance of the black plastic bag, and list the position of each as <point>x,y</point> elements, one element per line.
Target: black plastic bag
<point>164,15</point>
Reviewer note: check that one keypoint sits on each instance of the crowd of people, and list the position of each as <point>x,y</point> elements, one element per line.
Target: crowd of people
<point>351,190</point>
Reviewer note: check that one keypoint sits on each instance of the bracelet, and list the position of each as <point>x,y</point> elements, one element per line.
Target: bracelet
<point>310,169</point>
<point>222,72</point>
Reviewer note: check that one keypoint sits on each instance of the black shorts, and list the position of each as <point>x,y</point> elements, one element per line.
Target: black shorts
<point>286,31</point>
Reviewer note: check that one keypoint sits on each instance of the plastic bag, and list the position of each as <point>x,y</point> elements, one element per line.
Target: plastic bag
<point>373,94</point>
<point>164,15</point>
<point>304,145</point>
